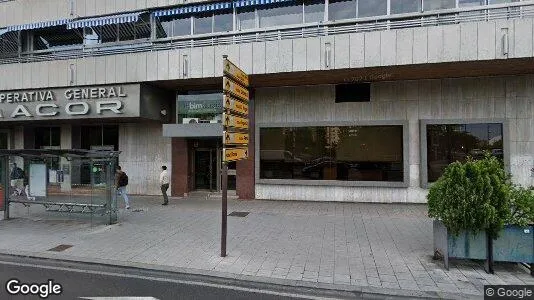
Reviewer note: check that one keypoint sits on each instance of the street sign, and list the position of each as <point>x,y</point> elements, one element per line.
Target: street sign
<point>235,89</point>
<point>234,121</point>
<point>235,138</point>
<point>235,105</point>
<point>233,71</point>
<point>233,154</point>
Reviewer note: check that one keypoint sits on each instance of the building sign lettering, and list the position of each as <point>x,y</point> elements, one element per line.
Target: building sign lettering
<point>55,103</point>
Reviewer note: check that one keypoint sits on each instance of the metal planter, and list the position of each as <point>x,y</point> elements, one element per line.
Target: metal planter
<point>515,244</point>
<point>466,245</point>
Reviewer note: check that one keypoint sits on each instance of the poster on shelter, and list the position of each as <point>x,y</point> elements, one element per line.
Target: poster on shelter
<point>37,180</point>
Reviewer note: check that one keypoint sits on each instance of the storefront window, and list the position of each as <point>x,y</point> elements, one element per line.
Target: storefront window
<point>49,138</point>
<point>314,11</point>
<point>371,8</point>
<point>405,6</point>
<point>200,108</point>
<point>282,15</point>
<point>341,9</point>
<point>346,153</point>
<point>455,142</point>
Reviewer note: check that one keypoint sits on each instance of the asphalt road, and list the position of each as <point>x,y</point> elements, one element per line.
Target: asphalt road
<point>84,281</point>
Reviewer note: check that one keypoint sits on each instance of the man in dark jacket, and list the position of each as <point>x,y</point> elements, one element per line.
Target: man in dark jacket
<point>121,181</point>
<point>17,179</point>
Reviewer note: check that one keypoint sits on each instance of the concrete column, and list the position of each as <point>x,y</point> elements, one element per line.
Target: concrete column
<point>66,143</point>
<point>180,167</point>
<point>245,179</point>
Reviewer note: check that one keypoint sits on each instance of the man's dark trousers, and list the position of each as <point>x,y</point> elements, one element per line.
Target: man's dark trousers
<point>164,188</point>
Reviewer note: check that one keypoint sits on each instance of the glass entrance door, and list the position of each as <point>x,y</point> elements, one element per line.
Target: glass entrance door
<point>206,169</point>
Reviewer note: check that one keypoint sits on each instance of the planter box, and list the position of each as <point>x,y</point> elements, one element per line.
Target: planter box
<point>515,244</point>
<point>466,245</point>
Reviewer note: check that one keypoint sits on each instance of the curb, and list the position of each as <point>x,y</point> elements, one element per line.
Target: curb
<point>367,291</point>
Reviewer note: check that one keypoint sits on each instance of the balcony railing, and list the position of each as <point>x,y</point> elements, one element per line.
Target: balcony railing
<point>515,10</point>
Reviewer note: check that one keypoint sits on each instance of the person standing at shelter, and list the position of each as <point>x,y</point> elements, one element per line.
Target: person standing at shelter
<point>164,183</point>
<point>121,181</point>
<point>17,180</point>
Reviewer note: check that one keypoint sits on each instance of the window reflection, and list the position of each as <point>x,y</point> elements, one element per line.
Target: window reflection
<point>349,153</point>
<point>469,3</point>
<point>370,8</point>
<point>405,6</point>
<point>181,26</point>
<point>202,24</point>
<point>282,15</point>
<point>449,143</point>
<point>223,22</point>
<point>314,11</point>
<point>246,19</point>
<point>439,4</point>
<point>341,9</point>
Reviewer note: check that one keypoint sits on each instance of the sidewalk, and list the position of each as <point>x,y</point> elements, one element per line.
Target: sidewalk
<point>369,246</point>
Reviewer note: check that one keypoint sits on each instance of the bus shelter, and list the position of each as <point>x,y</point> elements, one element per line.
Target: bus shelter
<point>30,185</point>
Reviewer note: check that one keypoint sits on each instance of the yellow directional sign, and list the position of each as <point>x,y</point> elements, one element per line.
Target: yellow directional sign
<point>235,89</point>
<point>235,121</point>
<point>233,71</point>
<point>235,138</point>
<point>235,105</point>
<point>233,154</point>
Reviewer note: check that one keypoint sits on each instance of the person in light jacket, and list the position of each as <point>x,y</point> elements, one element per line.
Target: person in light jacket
<point>164,183</point>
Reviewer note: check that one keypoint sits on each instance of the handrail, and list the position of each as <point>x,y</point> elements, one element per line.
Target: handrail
<point>435,18</point>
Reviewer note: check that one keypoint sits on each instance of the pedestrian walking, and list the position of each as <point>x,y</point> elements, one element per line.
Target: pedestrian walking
<point>121,181</point>
<point>164,183</point>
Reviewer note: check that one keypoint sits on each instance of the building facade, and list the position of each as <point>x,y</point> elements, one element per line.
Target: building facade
<point>354,100</point>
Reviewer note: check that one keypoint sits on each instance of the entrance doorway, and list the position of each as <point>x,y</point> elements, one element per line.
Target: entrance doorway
<point>206,169</point>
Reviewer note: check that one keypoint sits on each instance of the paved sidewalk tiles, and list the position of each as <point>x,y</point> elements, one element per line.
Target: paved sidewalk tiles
<point>384,246</point>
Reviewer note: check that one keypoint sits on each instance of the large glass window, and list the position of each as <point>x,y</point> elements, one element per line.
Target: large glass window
<point>223,22</point>
<point>469,3</point>
<point>314,11</point>
<point>181,26</point>
<point>49,138</point>
<point>281,15</point>
<point>56,38</point>
<point>447,143</point>
<point>246,19</point>
<point>405,6</point>
<point>341,9</point>
<point>347,153</point>
<point>203,24</point>
<point>438,4</point>
<point>370,8</point>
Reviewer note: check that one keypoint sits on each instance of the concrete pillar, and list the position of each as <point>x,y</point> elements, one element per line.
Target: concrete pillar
<point>180,167</point>
<point>64,164</point>
<point>245,179</point>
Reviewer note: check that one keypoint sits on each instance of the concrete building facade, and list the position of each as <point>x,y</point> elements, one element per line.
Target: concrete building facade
<point>351,100</point>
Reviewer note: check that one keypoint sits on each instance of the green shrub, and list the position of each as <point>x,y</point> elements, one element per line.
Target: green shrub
<point>521,206</point>
<point>472,196</point>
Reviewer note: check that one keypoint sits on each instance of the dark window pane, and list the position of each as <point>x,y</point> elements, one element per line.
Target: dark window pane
<point>469,3</point>
<point>223,22</point>
<point>455,142</point>
<point>370,8</point>
<point>55,136</point>
<point>314,11</point>
<point>405,6</point>
<point>110,136</point>
<point>202,24</point>
<point>339,10</point>
<point>368,153</point>
<point>282,15</point>
<point>4,140</point>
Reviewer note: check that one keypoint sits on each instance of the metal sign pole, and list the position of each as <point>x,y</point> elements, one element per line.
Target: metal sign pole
<point>224,208</point>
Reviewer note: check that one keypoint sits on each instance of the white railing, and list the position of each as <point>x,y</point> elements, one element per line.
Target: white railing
<point>524,9</point>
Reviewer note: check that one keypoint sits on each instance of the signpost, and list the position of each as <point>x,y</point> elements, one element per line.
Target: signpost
<point>235,129</point>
